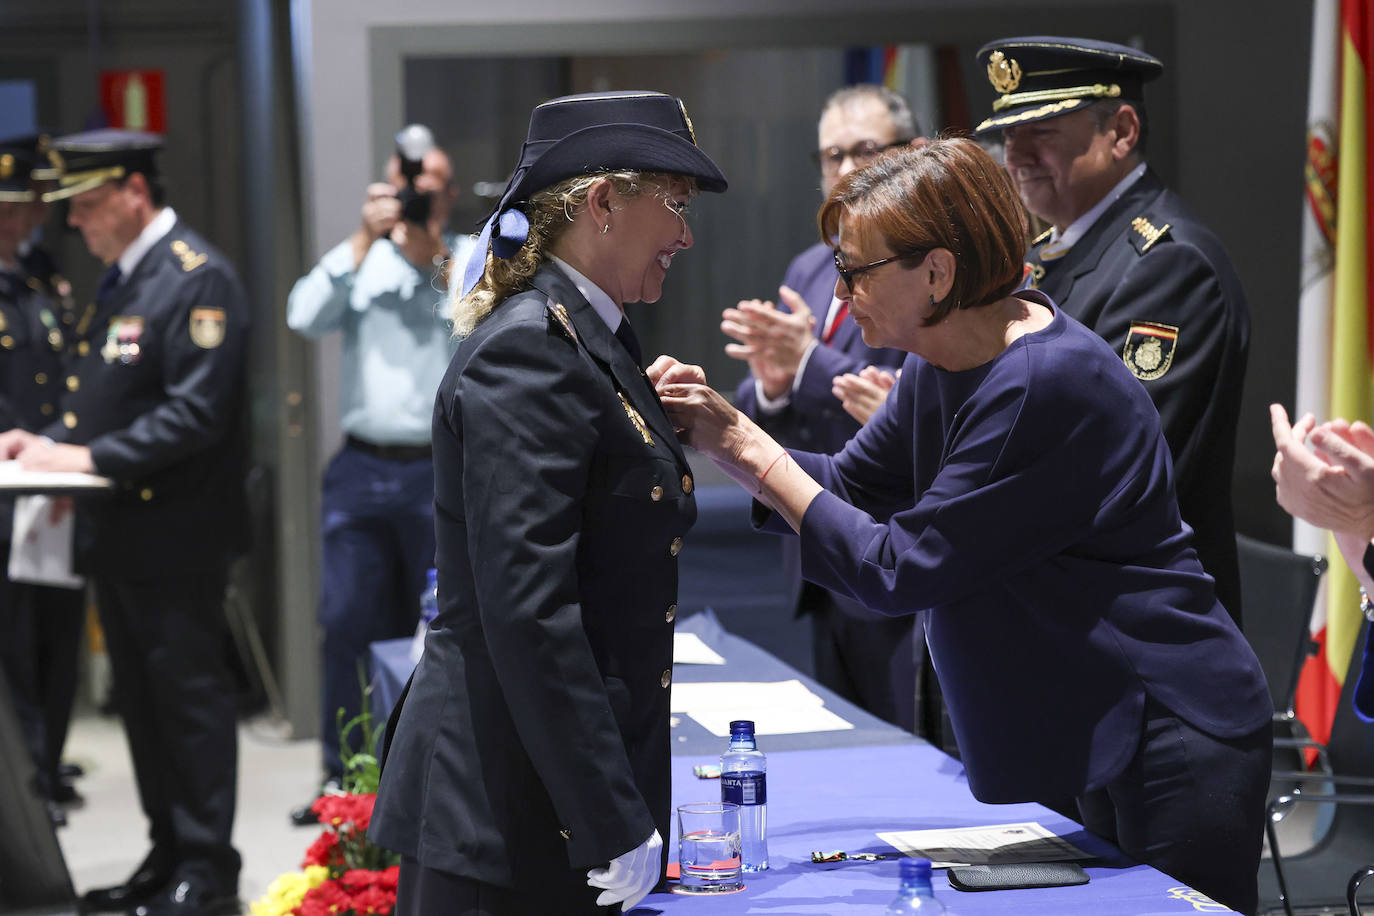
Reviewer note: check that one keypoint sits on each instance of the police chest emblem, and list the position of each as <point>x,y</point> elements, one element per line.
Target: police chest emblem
<point>207,327</point>
<point>1149,350</point>
<point>122,340</point>
<point>635,419</point>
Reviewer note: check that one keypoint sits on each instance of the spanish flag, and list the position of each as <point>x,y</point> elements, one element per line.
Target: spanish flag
<point>1336,333</point>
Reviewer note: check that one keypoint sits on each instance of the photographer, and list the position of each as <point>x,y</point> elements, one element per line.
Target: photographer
<point>382,288</point>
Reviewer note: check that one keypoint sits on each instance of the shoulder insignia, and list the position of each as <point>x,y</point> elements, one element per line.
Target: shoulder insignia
<point>190,260</point>
<point>1149,350</point>
<point>1144,233</point>
<point>635,419</point>
<point>1042,236</point>
<point>207,327</point>
<point>563,320</point>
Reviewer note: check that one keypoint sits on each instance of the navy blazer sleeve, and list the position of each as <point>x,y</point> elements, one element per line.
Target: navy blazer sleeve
<point>1019,481</point>
<point>526,461</point>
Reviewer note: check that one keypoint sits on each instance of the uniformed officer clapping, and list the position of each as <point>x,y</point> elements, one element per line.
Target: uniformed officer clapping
<point>154,398</point>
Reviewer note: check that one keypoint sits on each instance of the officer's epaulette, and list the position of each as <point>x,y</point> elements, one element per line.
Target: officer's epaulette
<point>561,319</point>
<point>1042,236</point>
<point>190,259</point>
<point>1144,233</point>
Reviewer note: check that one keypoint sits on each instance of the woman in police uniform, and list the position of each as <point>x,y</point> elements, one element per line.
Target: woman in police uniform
<point>528,767</point>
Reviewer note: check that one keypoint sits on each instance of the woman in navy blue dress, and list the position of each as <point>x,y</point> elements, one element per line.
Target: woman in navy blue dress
<point>1016,484</point>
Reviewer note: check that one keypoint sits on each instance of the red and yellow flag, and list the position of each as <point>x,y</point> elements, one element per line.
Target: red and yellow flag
<point>1336,346</point>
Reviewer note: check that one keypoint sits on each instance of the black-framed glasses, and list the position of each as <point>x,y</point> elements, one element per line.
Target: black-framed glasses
<point>847,274</point>
<point>832,157</point>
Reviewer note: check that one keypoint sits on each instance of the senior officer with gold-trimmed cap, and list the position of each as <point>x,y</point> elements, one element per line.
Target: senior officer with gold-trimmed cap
<point>40,625</point>
<point>1127,258</point>
<point>154,398</point>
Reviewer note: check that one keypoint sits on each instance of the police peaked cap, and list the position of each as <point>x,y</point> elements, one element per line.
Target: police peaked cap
<point>94,157</point>
<point>585,134</point>
<point>1044,76</point>
<point>606,131</point>
<point>19,160</point>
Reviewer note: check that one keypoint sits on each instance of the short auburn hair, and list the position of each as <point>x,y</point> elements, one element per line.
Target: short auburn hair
<point>947,194</point>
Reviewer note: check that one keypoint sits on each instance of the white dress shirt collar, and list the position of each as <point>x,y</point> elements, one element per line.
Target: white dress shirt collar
<point>1063,242</point>
<point>157,227</point>
<point>603,304</point>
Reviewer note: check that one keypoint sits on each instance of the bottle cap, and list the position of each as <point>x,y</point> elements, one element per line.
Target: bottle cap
<point>914,868</point>
<point>742,727</point>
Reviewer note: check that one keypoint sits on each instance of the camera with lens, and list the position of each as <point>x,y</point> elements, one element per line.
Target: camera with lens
<point>413,142</point>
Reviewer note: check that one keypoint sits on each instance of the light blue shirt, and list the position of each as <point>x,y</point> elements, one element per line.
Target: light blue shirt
<point>397,337</point>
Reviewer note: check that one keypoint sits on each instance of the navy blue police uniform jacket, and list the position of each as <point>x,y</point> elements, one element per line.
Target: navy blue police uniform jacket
<point>30,363</point>
<point>1159,287</point>
<point>1028,503</point>
<point>534,733</point>
<point>813,419</point>
<point>155,388</point>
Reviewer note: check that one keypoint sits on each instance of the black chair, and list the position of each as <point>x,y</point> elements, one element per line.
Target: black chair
<point>1278,587</point>
<point>1352,890</point>
<point>1320,877</point>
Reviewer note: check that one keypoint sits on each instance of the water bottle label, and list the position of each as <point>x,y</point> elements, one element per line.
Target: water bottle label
<point>744,788</point>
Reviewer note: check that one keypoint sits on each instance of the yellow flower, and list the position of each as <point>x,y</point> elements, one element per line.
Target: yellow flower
<point>286,893</point>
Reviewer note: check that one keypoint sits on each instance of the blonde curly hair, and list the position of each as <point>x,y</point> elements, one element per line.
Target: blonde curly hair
<point>550,212</point>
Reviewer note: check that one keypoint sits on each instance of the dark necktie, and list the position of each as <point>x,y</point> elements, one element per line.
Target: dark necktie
<point>626,335</point>
<point>107,284</point>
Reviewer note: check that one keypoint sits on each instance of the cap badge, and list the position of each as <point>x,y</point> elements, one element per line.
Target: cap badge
<point>1003,72</point>
<point>690,129</point>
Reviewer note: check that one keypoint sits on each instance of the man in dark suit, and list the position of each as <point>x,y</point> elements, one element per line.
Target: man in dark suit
<point>794,352</point>
<point>154,398</point>
<point>41,624</point>
<point>1127,258</point>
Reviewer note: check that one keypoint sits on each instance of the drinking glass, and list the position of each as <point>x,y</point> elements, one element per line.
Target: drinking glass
<point>708,848</point>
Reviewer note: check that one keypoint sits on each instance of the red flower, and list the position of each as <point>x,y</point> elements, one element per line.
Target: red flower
<point>337,810</point>
<point>373,900</point>
<point>388,878</point>
<point>329,899</point>
<point>324,851</point>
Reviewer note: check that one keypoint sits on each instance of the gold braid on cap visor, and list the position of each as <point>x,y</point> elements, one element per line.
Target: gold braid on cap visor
<point>1097,91</point>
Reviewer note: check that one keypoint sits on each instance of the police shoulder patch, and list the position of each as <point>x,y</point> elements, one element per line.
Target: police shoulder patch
<point>207,327</point>
<point>1145,233</point>
<point>1149,350</point>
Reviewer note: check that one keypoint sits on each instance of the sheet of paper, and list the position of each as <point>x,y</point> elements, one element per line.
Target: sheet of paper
<point>688,649</point>
<point>777,707</point>
<point>40,551</point>
<point>993,844</point>
<point>13,476</point>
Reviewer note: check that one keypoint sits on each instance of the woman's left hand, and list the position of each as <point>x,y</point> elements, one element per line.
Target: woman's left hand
<point>667,371</point>
<point>705,420</point>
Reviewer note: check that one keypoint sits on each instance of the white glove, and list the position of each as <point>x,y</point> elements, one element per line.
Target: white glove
<point>630,876</point>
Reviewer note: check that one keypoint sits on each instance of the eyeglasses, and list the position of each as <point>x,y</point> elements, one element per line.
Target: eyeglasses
<point>832,157</point>
<point>847,274</point>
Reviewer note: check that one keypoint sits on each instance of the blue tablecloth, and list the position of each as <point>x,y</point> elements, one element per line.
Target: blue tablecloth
<point>838,790</point>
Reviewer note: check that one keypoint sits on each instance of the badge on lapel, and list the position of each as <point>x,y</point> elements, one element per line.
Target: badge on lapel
<point>1149,350</point>
<point>207,327</point>
<point>563,319</point>
<point>122,340</point>
<point>635,419</point>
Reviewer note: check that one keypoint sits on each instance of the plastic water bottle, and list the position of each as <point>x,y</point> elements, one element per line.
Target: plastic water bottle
<point>429,609</point>
<point>915,895</point>
<point>744,781</point>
